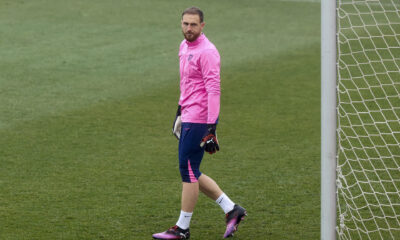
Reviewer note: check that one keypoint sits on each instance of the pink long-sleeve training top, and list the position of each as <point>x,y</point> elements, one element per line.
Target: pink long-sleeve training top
<point>199,63</point>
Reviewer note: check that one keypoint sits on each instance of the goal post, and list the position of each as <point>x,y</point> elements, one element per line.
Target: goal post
<point>328,119</point>
<point>360,119</point>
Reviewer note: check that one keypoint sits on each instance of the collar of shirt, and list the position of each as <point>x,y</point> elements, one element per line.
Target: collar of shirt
<point>197,41</point>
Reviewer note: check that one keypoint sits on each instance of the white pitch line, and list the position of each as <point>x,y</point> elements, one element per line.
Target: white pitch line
<point>306,1</point>
<point>354,2</point>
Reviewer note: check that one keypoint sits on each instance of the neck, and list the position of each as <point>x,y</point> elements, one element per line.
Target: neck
<point>196,41</point>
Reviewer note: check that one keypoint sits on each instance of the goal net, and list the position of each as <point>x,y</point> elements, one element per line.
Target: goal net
<point>368,119</point>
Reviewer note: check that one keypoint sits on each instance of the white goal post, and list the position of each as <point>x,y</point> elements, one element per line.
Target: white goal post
<point>360,119</point>
<point>328,119</point>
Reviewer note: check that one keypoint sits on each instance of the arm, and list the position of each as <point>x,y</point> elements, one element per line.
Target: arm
<point>211,74</point>
<point>210,67</point>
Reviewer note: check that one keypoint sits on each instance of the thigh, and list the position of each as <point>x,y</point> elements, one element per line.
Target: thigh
<point>189,143</point>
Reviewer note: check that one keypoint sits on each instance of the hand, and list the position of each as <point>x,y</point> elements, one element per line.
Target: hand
<point>176,127</point>
<point>210,142</point>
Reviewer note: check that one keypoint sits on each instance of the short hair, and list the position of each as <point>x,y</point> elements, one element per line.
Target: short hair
<point>195,11</point>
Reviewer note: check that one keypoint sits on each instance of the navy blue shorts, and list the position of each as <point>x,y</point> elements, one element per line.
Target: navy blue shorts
<point>190,152</point>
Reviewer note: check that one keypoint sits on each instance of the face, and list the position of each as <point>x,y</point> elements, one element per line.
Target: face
<point>191,26</point>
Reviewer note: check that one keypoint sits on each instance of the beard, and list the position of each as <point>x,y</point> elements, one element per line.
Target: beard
<point>190,36</point>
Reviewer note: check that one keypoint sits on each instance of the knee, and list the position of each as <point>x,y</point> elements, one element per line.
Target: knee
<point>189,174</point>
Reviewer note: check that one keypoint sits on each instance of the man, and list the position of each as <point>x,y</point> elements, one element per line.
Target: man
<point>195,125</point>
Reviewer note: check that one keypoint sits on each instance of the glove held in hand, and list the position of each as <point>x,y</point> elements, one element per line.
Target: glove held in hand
<point>176,127</point>
<point>210,142</point>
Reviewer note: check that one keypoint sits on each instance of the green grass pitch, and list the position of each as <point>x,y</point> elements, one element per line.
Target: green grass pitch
<point>88,93</point>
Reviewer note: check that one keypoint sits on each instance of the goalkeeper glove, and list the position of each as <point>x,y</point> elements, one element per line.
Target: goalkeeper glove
<point>176,127</point>
<point>210,142</point>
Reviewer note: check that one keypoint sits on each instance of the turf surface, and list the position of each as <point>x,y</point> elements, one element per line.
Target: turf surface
<point>88,93</point>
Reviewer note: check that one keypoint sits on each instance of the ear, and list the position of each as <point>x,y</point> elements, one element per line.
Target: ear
<point>202,24</point>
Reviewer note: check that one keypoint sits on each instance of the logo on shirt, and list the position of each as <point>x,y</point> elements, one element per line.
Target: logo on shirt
<point>190,57</point>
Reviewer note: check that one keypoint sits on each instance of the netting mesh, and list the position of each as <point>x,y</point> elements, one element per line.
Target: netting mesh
<point>368,91</point>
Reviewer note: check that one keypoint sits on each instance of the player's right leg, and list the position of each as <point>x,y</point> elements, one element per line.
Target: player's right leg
<point>190,156</point>
<point>174,232</point>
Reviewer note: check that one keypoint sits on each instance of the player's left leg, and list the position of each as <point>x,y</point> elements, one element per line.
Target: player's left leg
<point>209,187</point>
<point>234,212</point>
<point>233,218</point>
